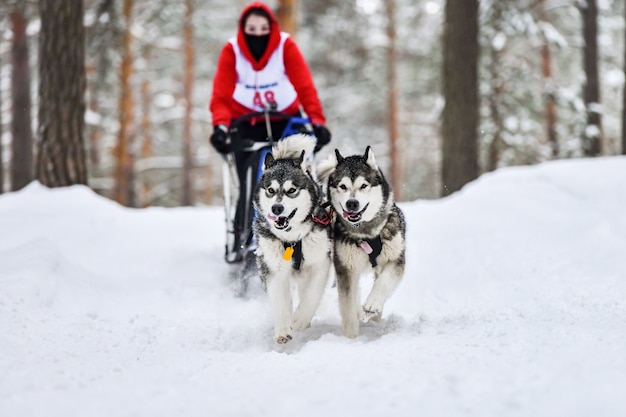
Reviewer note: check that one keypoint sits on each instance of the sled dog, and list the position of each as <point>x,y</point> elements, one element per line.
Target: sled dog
<point>293,234</point>
<point>369,234</point>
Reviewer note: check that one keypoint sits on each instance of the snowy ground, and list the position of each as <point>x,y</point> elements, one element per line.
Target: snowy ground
<point>513,304</point>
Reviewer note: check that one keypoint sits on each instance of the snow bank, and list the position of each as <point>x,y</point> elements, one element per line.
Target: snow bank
<point>513,304</point>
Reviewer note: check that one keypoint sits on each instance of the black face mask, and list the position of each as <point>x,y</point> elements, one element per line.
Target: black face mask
<point>257,44</point>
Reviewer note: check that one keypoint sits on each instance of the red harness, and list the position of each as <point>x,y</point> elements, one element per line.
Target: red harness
<point>327,215</point>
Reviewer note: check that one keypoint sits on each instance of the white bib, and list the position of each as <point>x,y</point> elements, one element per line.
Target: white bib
<point>255,89</point>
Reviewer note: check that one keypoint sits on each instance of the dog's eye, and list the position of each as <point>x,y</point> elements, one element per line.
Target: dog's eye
<point>363,187</point>
<point>291,190</point>
<point>271,191</point>
<point>343,187</point>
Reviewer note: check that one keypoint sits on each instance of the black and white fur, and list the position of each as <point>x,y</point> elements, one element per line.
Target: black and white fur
<point>287,199</point>
<point>367,220</point>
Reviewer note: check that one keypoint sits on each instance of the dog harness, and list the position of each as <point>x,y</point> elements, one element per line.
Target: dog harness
<point>372,247</point>
<point>293,252</point>
<point>324,214</point>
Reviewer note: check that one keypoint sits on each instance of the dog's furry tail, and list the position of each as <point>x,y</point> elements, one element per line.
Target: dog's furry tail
<point>292,146</point>
<point>326,167</point>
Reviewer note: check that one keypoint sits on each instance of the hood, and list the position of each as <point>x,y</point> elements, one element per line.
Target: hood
<point>274,39</point>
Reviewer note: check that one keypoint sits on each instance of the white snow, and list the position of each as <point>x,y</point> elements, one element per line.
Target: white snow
<point>499,41</point>
<point>513,304</point>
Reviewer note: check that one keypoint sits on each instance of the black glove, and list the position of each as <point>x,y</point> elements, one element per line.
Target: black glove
<point>323,136</point>
<point>218,140</point>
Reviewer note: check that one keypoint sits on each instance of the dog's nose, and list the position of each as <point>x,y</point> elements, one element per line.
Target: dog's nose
<point>277,209</point>
<point>352,204</point>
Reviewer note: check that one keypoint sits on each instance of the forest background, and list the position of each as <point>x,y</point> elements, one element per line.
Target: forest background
<point>549,83</point>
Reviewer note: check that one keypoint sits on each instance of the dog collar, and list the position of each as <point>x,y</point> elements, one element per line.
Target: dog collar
<point>293,251</point>
<point>325,214</point>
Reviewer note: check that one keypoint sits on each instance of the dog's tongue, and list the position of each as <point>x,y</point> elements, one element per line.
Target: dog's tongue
<point>279,220</point>
<point>347,214</point>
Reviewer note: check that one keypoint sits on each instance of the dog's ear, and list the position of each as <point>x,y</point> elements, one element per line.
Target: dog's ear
<point>338,155</point>
<point>369,157</point>
<point>269,161</point>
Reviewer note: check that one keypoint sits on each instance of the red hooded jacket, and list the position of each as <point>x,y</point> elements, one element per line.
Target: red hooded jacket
<point>224,108</point>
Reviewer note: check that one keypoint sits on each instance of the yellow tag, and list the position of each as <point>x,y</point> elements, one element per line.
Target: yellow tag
<point>288,253</point>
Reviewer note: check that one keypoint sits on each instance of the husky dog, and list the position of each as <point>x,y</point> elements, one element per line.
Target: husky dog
<point>292,233</point>
<point>369,233</point>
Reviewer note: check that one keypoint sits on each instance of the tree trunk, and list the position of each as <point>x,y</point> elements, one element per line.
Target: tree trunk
<point>104,35</point>
<point>460,85</point>
<point>146,128</point>
<point>61,159</point>
<point>187,198</point>
<point>124,172</point>
<point>94,130</point>
<point>495,96</point>
<point>396,168</point>
<point>286,15</point>
<point>624,96</point>
<point>22,141</point>
<point>549,90</point>
<point>1,130</point>
<point>592,143</point>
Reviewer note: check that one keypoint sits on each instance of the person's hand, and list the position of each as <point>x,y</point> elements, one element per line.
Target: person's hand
<point>218,139</point>
<point>323,136</point>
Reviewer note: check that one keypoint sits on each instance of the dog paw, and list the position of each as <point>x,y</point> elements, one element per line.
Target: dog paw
<point>351,333</point>
<point>350,328</point>
<point>367,313</point>
<point>300,324</point>
<point>281,340</point>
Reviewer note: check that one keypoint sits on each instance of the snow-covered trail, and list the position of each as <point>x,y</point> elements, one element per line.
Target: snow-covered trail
<point>513,303</point>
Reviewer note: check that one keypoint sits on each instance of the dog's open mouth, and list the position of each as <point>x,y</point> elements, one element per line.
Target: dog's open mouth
<point>354,216</point>
<point>281,222</point>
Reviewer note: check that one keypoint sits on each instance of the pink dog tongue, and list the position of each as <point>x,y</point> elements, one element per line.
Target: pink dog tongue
<point>366,247</point>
